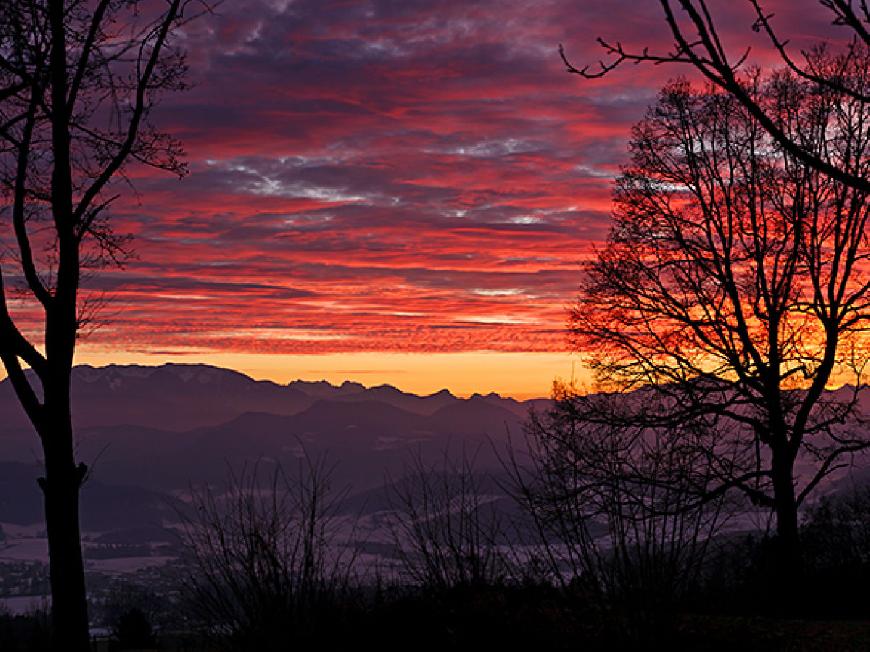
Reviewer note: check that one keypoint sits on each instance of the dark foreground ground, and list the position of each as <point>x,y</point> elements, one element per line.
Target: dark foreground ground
<point>481,621</point>
<point>755,633</point>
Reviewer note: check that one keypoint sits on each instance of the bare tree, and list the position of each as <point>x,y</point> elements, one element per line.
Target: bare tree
<point>696,42</point>
<point>264,556</point>
<point>446,530</point>
<point>78,82</point>
<point>734,285</point>
<point>617,506</point>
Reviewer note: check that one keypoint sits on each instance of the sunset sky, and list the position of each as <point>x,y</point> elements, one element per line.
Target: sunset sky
<point>396,191</point>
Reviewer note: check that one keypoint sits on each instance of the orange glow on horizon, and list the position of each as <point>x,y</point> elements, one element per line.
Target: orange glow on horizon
<point>518,375</point>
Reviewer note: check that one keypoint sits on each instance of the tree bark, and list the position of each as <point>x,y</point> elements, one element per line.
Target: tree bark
<point>61,486</point>
<point>787,564</point>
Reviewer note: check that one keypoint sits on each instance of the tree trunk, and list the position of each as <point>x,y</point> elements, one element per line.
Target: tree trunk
<point>60,487</point>
<point>787,560</point>
<point>785,506</point>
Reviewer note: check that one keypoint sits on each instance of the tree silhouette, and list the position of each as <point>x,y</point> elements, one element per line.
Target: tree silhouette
<point>696,42</point>
<point>734,285</point>
<point>264,566</point>
<point>616,506</point>
<point>78,82</point>
<point>446,534</point>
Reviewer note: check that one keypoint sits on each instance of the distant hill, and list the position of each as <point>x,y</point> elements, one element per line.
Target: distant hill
<point>366,439</point>
<point>156,430</point>
<point>104,506</point>
<point>185,396</point>
<point>151,432</point>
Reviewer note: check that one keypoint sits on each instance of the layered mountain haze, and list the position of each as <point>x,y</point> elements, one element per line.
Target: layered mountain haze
<point>149,434</point>
<point>161,429</point>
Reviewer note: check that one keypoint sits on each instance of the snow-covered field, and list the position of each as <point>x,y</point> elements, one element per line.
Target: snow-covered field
<point>19,548</point>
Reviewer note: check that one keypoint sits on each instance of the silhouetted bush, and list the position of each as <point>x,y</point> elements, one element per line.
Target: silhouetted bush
<point>265,573</point>
<point>133,631</point>
<point>133,614</point>
<point>621,511</point>
<point>445,528</point>
<point>835,541</point>
<point>25,632</point>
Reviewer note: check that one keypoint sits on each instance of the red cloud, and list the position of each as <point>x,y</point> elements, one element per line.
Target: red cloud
<point>383,176</point>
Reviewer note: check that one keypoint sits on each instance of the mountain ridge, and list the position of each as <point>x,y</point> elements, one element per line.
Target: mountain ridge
<point>180,397</point>
<point>162,428</point>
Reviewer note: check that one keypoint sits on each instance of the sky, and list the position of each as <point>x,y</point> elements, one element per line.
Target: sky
<point>387,191</point>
